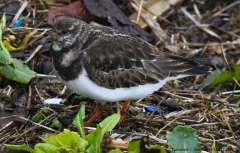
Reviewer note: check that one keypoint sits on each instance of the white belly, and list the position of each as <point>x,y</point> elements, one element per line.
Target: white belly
<point>85,87</point>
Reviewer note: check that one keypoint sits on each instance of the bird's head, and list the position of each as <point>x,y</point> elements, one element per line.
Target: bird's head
<point>65,34</point>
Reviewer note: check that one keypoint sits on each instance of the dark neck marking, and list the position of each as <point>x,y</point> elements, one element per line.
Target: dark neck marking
<point>70,72</point>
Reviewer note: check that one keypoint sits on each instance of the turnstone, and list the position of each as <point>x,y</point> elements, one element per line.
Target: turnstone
<point>111,65</point>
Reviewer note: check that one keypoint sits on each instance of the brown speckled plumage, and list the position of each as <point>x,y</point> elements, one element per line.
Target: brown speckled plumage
<point>113,58</point>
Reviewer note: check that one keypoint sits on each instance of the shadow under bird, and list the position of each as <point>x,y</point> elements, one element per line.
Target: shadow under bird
<point>111,65</point>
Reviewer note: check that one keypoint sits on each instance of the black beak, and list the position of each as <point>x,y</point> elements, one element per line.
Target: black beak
<point>45,40</point>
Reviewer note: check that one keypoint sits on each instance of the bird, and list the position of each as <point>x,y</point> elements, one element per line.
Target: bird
<point>111,65</point>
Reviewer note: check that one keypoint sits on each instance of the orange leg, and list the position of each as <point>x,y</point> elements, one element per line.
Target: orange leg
<point>124,110</point>
<point>100,110</point>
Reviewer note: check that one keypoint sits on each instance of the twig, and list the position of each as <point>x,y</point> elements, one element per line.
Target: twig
<point>45,76</point>
<point>24,5</point>
<point>153,111</point>
<point>166,126</point>
<point>64,89</point>
<point>224,9</point>
<point>114,144</point>
<point>225,139</point>
<point>37,124</point>
<point>230,92</point>
<point>144,119</point>
<point>226,121</point>
<point>41,98</point>
<point>179,113</point>
<point>197,11</point>
<point>7,125</point>
<point>210,44</point>
<point>178,96</point>
<point>198,23</point>
<point>34,53</point>
<point>40,34</point>
<point>40,29</point>
<point>205,124</point>
<point>29,121</point>
<point>139,11</point>
<point>29,96</point>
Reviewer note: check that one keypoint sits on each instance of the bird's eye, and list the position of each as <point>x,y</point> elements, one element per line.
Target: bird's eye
<point>64,31</point>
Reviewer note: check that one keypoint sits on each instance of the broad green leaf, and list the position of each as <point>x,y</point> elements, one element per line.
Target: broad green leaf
<point>109,123</point>
<point>90,136</point>
<point>139,145</point>
<point>116,151</point>
<point>67,141</point>
<point>78,121</point>
<point>95,143</point>
<point>45,148</point>
<point>21,73</point>
<point>17,147</point>
<point>95,137</point>
<point>38,116</point>
<point>5,58</point>
<point>222,77</point>
<point>183,139</point>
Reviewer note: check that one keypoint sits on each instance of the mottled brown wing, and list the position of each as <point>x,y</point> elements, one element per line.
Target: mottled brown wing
<point>125,61</point>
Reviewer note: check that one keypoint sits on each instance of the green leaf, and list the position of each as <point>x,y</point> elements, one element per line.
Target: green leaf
<point>5,58</point>
<point>56,123</point>
<point>109,123</point>
<point>90,136</point>
<point>4,53</point>
<point>68,141</point>
<point>139,145</point>
<point>45,148</point>
<point>95,141</point>
<point>23,43</point>
<point>17,147</point>
<point>222,77</point>
<point>183,139</point>
<point>161,148</point>
<point>135,145</point>
<point>21,73</point>
<point>3,22</point>
<point>94,137</point>
<point>116,151</point>
<point>210,78</point>
<point>214,147</point>
<point>38,116</point>
<point>11,31</point>
<point>48,1</point>
<point>78,121</point>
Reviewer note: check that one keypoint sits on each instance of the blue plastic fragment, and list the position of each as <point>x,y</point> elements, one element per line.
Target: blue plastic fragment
<point>151,108</point>
<point>18,23</point>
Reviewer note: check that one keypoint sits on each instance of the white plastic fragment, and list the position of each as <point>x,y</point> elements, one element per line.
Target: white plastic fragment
<point>53,101</point>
